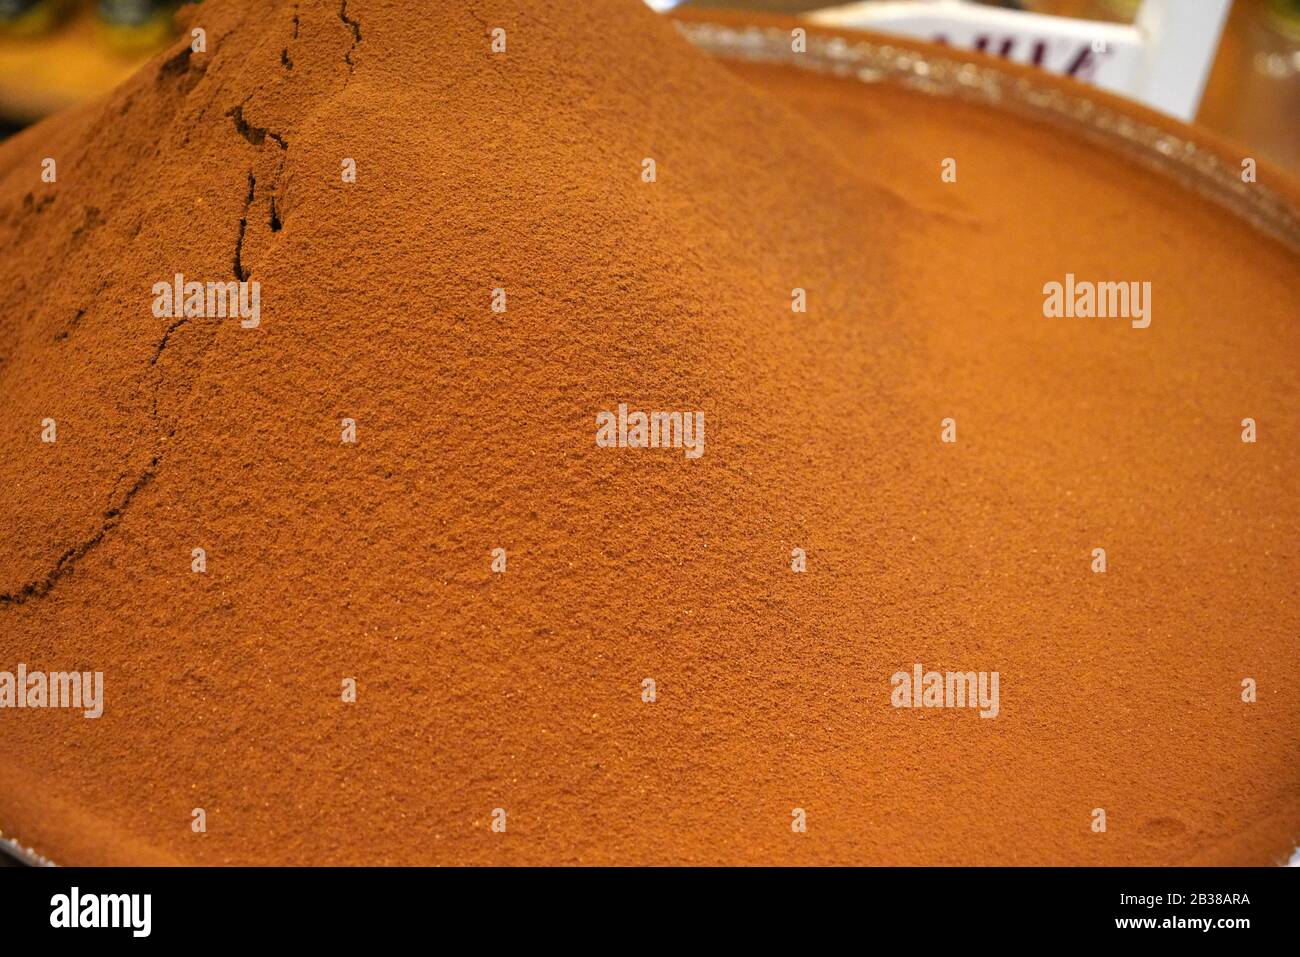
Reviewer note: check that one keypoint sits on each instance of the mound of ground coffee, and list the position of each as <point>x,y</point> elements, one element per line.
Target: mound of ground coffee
<point>510,436</point>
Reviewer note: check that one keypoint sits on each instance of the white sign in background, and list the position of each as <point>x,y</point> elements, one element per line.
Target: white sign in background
<point>1161,60</point>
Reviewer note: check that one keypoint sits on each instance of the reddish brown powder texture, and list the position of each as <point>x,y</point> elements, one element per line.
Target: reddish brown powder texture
<point>475,431</point>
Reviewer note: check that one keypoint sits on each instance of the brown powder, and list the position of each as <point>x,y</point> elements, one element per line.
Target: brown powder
<point>523,690</point>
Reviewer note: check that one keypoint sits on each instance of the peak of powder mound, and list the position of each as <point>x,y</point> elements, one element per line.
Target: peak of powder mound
<point>521,169</point>
<point>460,258</point>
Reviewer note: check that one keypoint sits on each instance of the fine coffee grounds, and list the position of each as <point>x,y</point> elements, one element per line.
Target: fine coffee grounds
<point>396,481</point>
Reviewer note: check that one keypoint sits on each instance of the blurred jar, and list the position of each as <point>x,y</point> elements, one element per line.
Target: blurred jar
<point>1253,94</point>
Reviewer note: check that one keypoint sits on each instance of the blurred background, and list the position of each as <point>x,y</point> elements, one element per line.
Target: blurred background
<point>57,52</point>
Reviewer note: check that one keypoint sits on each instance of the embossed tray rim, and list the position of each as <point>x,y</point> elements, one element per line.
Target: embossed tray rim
<point>1195,158</point>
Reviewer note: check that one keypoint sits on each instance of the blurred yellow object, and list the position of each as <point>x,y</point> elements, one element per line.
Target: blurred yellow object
<point>39,18</point>
<point>133,37</point>
<point>42,73</point>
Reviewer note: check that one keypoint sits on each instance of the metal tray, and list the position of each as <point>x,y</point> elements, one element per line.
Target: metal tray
<point>1191,156</point>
